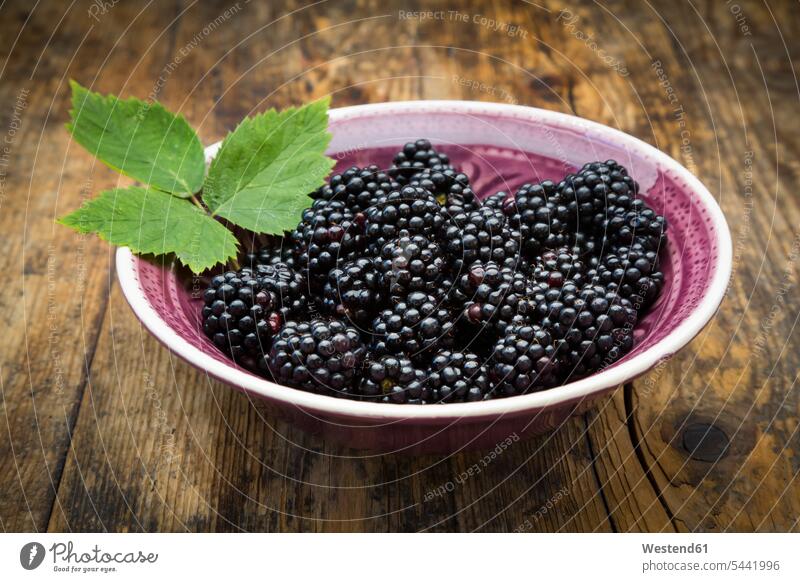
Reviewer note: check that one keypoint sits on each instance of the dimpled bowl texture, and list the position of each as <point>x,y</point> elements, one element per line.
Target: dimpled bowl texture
<point>500,147</point>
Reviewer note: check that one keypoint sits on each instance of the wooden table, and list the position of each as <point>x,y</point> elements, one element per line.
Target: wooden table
<point>104,429</point>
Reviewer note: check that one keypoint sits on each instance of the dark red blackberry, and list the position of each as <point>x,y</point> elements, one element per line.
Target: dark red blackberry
<point>411,263</point>
<point>492,297</point>
<point>328,233</point>
<point>358,188</point>
<point>412,209</point>
<point>481,235</point>
<point>496,200</point>
<point>240,315</point>
<point>323,356</point>
<point>450,187</point>
<point>542,221</point>
<point>524,360</point>
<point>415,157</point>
<point>457,377</point>
<point>558,266</point>
<point>354,291</point>
<point>412,327</point>
<point>633,272</point>
<point>394,379</point>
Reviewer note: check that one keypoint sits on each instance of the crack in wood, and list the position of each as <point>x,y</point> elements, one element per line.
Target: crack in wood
<point>637,449</point>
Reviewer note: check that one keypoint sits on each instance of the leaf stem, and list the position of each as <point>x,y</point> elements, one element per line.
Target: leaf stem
<point>197,202</point>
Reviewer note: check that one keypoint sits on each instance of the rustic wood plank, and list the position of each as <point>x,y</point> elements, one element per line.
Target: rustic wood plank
<point>146,443</point>
<point>53,301</point>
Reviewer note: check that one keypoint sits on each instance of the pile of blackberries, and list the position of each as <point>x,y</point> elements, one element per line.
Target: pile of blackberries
<point>398,285</point>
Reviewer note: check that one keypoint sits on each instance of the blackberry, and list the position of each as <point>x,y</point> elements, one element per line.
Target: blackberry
<point>542,221</point>
<point>556,267</point>
<point>524,360</point>
<point>450,187</point>
<point>328,232</point>
<point>632,222</point>
<point>240,315</point>
<point>594,324</point>
<point>411,263</point>
<point>358,188</point>
<point>394,379</point>
<point>481,235</point>
<point>411,208</point>
<point>589,193</point>
<point>412,327</point>
<point>492,297</point>
<point>323,356</point>
<point>496,200</point>
<point>457,377</point>
<point>354,291</point>
<point>276,250</point>
<point>287,288</point>
<point>633,272</point>
<point>415,157</point>
<point>604,199</point>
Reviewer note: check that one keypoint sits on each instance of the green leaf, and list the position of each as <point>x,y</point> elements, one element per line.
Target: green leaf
<point>151,221</point>
<point>141,140</point>
<point>261,177</point>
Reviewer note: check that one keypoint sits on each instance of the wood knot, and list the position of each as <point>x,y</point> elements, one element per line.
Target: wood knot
<point>705,442</point>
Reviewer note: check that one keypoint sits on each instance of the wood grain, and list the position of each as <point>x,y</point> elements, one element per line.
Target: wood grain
<point>105,430</point>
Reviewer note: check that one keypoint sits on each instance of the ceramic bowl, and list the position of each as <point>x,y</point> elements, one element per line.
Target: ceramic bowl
<point>500,147</point>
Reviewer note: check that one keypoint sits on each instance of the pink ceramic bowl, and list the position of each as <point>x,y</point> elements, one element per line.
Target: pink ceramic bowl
<point>500,147</point>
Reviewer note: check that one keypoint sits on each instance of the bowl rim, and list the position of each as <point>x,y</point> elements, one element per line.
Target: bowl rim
<point>610,378</point>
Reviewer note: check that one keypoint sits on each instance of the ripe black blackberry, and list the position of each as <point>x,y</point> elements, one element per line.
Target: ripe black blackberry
<point>354,291</point>
<point>592,191</point>
<point>323,356</point>
<point>415,157</point>
<point>604,199</point>
<point>542,221</point>
<point>412,209</point>
<point>492,297</point>
<point>240,315</point>
<point>411,263</point>
<point>288,288</point>
<point>594,324</point>
<point>450,187</point>
<point>481,235</point>
<point>457,377</point>
<point>274,251</point>
<point>328,233</point>
<point>524,360</point>
<point>413,327</point>
<point>394,379</point>
<point>632,222</point>
<point>358,188</point>
<point>633,272</point>
<point>496,200</point>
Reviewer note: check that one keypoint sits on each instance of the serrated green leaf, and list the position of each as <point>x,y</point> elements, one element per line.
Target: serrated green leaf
<point>141,140</point>
<point>151,221</point>
<point>267,166</point>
